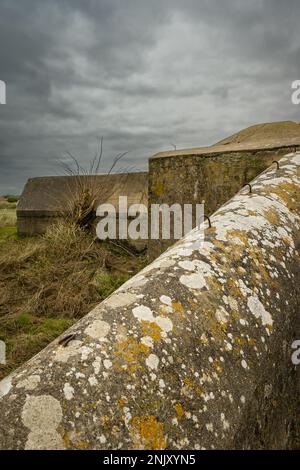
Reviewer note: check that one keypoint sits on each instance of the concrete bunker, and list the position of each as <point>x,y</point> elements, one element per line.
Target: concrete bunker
<point>45,200</point>
<point>214,174</point>
<point>190,176</point>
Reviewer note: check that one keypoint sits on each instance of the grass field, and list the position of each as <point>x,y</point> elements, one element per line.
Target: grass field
<point>7,213</point>
<point>48,282</point>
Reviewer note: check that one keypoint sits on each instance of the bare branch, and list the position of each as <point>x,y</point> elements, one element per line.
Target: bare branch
<point>116,160</point>
<point>100,155</point>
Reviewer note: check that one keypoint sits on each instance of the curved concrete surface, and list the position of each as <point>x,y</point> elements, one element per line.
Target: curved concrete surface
<point>191,353</point>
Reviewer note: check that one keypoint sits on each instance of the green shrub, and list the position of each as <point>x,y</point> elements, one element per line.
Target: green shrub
<point>24,320</point>
<point>54,326</point>
<point>7,233</point>
<point>106,283</point>
<point>12,198</point>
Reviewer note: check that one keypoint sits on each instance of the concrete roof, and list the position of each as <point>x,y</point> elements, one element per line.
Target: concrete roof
<point>261,136</point>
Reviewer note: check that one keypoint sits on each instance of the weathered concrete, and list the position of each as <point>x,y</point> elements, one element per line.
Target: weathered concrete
<point>45,199</point>
<point>272,135</point>
<point>214,174</point>
<point>192,353</point>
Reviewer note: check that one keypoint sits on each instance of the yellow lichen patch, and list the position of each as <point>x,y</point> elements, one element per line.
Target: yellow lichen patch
<point>220,245</point>
<point>213,283</point>
<point>81,445</point>
<point>206,305</point>
<point>269,327</point>
<point>241,270</point>
<point>235,314</point>
<point>121,402</point>
<point>218,329</point>
<point>272,216</point>
<point>287,241</point>
<point>193,304</point>
<point>240,341</point>
<point>217,367</point>
<point>250,212</point>
<point>188,382</point>
<point>190,386</point>
<point>66,440</point>
<point>256,257</point>
<point>208,317</point>
<point>74,442</point>
<point>129,354</point>
<point>148,433</point>
<point>104,420</point>
<point>199,390</point>
<point>210,230</point>
<point>158,187</point>
<point>288,192</point>
<point>204,339</point>
<point>277,252</point>
<point>238,234</point>
<point>234,289</point>
<point>178,308</point>
<point>252,341</point>
<point>151,329</point>
<point>179,410</point>
<point>163,311</point>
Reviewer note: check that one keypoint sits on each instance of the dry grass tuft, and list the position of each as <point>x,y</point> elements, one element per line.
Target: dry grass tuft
<point>7,217</point>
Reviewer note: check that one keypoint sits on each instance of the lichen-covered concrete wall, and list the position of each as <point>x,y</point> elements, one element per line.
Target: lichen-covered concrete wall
<point>192,353</point>
<point>212,175</point>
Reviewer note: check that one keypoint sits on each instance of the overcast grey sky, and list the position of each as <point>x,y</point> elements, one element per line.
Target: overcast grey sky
<point>145,74</point>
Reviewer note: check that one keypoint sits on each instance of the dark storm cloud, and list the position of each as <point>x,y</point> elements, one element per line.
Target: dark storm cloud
<point>144,74</point>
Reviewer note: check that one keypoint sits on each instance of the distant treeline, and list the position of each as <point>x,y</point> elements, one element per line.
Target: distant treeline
<point>11,198</point>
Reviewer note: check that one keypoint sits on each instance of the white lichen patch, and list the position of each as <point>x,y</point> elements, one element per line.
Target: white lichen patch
<point>187,265</point>
<point>164,323</point>
<point>136,282</point>
<point>144,313</point>
<point>152,361</point>
<point>222,315</point>
<point>120,299</point>
<point>233,303</point>
<point>197,280</point>
<point>5,386</point>
<point>63,354</point>
<point>85,352</point>
<point>42,415</point>
<point>107,363</point>
<point>68,391</point>
<point>165,299</point>
<point>93,381</point>
<point>209,427</point>
<point>97,365</point>
<point>258,310</point>
<point>98,329</point>
<point>147,341</point>
<point>30,382</point>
